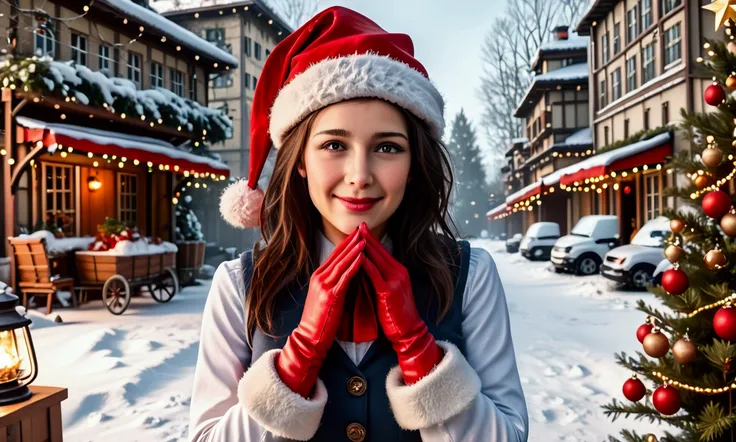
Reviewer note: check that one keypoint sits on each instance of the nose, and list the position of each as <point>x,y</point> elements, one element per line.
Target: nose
<point>359,170</point>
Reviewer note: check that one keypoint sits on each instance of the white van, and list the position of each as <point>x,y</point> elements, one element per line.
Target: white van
<point>582,251</point>
<point>634,264</point>
<point>539,239</point>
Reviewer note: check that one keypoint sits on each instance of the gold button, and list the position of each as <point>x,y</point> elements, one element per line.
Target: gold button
<point>356,386</point>
<point>356,432</point>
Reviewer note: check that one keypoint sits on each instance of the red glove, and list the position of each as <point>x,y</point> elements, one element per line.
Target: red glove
<point>397,312</point>
<point>300,360</point>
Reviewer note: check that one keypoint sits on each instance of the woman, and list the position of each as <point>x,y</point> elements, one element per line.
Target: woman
<point>324,332</point>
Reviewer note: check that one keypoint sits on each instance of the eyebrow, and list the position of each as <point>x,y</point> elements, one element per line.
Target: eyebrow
<point>345,133</point>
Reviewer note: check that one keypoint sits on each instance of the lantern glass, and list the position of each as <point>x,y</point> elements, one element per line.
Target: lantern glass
<point>18,365</point>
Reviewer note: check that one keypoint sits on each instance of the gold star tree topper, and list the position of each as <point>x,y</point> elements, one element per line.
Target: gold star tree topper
<point>724,10</point>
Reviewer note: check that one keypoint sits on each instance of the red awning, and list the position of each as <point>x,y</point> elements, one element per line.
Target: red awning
<point>132,147</point>
<point>525,193</point>
<point>652,151</point>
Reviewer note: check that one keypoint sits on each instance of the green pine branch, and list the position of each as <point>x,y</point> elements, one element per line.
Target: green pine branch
<point>714,422</point>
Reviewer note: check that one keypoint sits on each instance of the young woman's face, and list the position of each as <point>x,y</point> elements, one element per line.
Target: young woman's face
<point>356,163</point>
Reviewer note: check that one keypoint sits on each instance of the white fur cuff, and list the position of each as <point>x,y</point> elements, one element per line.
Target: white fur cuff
<point>445,392</point>
<point>274,406</point>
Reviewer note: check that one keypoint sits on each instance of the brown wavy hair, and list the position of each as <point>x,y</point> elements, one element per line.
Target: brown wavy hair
<point>421,230</point>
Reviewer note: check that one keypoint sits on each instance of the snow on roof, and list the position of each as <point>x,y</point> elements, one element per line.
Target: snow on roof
<point>103,137</point>
<point>572,72</point>
<point>580,138</point>
<point>163,24</point>
<point>523,191</point>
<point>496,210</point>
<point>606,158</point>
<point>572,43</point>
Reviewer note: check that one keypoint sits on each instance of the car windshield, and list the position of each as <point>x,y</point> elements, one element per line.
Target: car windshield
<point>585,227</point>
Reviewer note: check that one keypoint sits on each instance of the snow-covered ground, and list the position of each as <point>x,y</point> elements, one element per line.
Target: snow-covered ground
<point>129,377</point>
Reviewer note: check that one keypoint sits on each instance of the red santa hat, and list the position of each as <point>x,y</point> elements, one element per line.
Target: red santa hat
<point>338,55</point>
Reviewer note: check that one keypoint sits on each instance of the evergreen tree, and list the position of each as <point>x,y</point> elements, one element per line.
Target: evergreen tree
<point>687,373</point>
<point>188,227</point>
<point>471,191</point>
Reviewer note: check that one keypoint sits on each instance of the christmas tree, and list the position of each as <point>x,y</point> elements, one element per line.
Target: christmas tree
<point>471,190</point>
<point>683,383</point>
<point>188,227</point>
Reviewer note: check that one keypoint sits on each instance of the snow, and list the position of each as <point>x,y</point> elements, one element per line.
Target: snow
<point>134,248</point>
<point>577,71</point>
<point>171,29</point>
<point>582,137</point>
<point>497,210</point>
<point>653,233</point>
<point>573,42</point>
<point>124,140</point>
<point>130,376</point>
<point>59,245</point>
<point>519,193</point>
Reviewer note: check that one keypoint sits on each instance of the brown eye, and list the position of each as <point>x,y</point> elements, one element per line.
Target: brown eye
<point>333,146</point>
<point>389,148</point>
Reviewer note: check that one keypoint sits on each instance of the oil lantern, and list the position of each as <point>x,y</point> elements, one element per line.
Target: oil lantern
<point>18,366</point>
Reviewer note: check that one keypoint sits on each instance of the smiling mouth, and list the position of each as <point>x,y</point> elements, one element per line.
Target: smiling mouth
<point>358,204</point>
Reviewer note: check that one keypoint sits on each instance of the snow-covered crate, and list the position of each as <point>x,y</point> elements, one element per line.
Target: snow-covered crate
<point>96,267</point>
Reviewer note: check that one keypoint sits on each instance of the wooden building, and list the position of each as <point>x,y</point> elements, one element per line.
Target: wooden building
<point>104,115</point>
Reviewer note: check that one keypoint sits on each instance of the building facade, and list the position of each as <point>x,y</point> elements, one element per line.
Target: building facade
<point>249,30</point>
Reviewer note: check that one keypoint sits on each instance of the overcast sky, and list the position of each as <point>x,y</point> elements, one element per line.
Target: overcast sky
<point>447,39</point>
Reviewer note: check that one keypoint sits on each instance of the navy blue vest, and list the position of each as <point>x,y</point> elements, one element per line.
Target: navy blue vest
<point>370,409</point>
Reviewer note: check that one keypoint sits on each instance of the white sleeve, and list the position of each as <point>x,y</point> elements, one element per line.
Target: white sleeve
<point>234,403</point>
<point>463,398</point>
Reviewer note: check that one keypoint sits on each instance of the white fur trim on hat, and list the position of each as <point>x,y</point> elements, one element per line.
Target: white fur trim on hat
<point>240,205</point>
<point>447,390</point>
<point>356,76</point>
<point>274,406</point>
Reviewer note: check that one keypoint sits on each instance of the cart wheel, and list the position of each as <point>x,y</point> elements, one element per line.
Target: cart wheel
<point>165,287</point>
<point>116,294</point>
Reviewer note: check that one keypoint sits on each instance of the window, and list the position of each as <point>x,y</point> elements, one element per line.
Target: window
<point>257,50</point>
<point>647,63</point>
<point>605,136</point>
<point>268,53</point>
<point>626,128</point>
<point>631,74</point>
<point>58,195</point>
<point>570,120</point>
<point>177,82</point>
<point>611,200</point>
<point>247,46</point>
<point>651,183</point>
<point>193,87</point>
<point>255,79</point>
<point>221,80</point>
<point>646,14</point>
<point>134,68</point>
<point>672,44</point>
<point>105,59</point>
<point>616,84</point>
<point>79,49</point>
<point>646,119</point>
<point>668,5</point>
<point>604,49</point>
<point>157,74</point>
<point>215,35</point>
<point>247,80</point>
<point>665,113</point>
<point>616,38</point>
<point>128,198</point>
<point>632,25</point>
<point>45,36</point>
<point>602,98</point>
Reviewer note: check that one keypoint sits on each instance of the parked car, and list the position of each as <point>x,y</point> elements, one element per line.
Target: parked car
<point>539,239</point>
<point>582,251</point>
<point>662,267</point>
<point>512,244</point>
<point>634,264</point>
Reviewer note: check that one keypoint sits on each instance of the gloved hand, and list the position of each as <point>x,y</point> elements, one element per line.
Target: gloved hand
<point>397,312</point>
<point>300,360</point>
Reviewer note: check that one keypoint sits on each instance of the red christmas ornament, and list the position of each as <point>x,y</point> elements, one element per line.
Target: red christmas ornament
<point>716,204</point>
<point>724,323</point>
<point>666,400</point>
<point>714,95</point>
<point>675,281</point>
<point>643,331</point>
<point>634,389</point>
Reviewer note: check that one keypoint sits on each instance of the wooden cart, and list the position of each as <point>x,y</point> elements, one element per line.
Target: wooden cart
<point>122,276</point>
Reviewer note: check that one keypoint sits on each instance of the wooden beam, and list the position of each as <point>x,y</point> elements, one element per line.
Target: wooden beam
<point>22,164</point>
<point>8,198</point>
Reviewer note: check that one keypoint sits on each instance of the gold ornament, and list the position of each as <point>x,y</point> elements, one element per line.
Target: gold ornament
<point>656,344</point>
<point>673,253</point>
<point>724,10</point>
<point>731,82</point>
<point>728,224</point>
<point>684,351</point>
<point>701,181</point>
<point>651,438</point>
<point>677,225</point>
<point>711,157</point>
<point>715,259</point>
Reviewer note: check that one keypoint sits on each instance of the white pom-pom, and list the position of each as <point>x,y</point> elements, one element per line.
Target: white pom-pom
<point>240,205</point>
